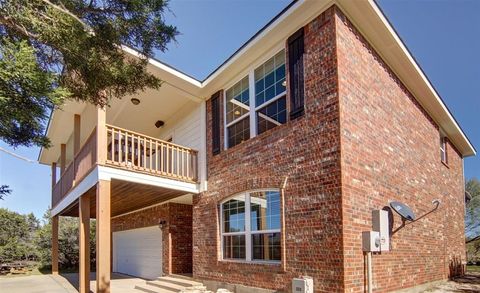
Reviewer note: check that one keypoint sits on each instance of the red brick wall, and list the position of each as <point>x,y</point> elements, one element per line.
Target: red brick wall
<point>178,229</point>
<point>390,151</point>
<point>305,150</point>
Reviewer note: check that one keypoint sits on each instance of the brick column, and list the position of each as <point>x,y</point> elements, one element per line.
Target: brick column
<point>84,243</point>
<point>103,236</point>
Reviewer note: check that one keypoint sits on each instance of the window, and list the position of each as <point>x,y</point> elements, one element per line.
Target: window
<point>251,226</point>
<point>256,103</point>
<point>443,149</point>
<point>270,90</point>
<point>237,112</point>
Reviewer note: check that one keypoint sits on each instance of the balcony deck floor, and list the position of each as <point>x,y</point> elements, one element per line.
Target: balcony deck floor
<point>126,197</point>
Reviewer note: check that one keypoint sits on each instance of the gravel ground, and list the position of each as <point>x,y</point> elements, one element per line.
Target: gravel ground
<point>468,284</point>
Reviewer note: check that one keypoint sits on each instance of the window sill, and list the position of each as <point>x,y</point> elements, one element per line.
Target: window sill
<point>255,262</point>
<point>445,164</point>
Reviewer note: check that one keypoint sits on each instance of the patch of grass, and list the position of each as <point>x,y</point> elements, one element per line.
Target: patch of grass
<point>473,268</point>
<point>39,270</point>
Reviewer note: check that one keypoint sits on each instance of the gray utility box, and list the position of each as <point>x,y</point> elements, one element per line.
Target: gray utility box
<point>371,241</point>
<point>302,285</point>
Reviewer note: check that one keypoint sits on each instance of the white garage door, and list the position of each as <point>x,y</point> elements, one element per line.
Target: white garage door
<point>138,252</point>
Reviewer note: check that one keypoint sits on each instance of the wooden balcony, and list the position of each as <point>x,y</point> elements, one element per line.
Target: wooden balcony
<point>128,150</point>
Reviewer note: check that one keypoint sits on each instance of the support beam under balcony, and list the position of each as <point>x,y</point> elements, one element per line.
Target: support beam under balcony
<point>84,243</point>
<point>103,235</point>
<point>54,227</point>
<point>55,245</point>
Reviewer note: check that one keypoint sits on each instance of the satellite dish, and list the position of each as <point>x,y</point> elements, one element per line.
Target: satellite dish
<point>403,210</point>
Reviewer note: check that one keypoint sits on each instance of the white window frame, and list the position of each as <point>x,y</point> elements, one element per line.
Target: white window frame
<point>250,72</point>
<point>443,149</point>
<point>248,232</point>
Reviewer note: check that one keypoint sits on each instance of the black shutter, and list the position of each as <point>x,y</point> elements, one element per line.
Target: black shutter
<point>216,123</point>
<point>295,73</point>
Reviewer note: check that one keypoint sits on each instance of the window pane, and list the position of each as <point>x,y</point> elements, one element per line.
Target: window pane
<point>443,149</point>
<point>238,132</point>
<point>266,246</point>
<point>269,78</point>
<point>265,210</point>
<point>272,115</point>
<point>234,247</point>
<point>234,214</point>
<point>237,100</point>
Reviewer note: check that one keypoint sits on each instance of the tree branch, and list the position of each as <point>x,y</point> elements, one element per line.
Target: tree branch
<point>66,11</point>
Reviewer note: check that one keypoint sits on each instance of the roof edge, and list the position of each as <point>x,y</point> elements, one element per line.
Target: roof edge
<point>422,73</point>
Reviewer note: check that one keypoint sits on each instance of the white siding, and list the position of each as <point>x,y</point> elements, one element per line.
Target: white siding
<point>184,127</point>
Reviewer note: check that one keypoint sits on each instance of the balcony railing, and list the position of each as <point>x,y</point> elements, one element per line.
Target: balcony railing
<point>134,151</point>
<point>83,162</point>
<point>130,151</point>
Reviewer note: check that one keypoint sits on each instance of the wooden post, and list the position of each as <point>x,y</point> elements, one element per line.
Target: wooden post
<point>54,227</point>
<point>101,135</point>
<point>63,158</point>
<point>103,236</point>
<point>76,134</point>
<point>55,245</point>
<point>54,175</point>
<point>84,243</point>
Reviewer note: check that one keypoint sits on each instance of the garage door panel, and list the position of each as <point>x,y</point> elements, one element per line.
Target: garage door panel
<point>138,252</point>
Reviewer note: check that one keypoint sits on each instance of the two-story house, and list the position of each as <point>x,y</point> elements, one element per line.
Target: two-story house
<point>269,169</point>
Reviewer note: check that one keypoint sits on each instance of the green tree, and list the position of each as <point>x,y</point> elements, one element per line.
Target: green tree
<point>52,50</point>
<point>4,190</point>
<point>16,236</point>
<point>68,254</point>
<point>472,211</point>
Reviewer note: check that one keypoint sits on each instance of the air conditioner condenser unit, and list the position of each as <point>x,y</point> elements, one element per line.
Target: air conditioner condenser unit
<point>302,285</point>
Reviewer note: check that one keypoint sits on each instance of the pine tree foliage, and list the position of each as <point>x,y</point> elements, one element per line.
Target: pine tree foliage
<point>53,50</point>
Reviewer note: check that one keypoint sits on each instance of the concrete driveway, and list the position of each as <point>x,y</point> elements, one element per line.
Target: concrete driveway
<point>65,283</point>
<point>36,284</point>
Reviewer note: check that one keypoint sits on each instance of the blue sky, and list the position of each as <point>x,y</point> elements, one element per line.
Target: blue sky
<point>442,35</point>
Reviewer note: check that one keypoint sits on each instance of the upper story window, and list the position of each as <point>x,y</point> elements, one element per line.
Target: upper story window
<point>237,112</point>
<point>270,92</point>
<point>256,103</point>
<point>251,226</point>
<point>443,149</point>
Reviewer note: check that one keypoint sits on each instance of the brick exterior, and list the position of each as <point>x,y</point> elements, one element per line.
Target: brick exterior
<point>363,141</point>
<point>176,235</point>
<point>390,151</point>
<point>307,151</point>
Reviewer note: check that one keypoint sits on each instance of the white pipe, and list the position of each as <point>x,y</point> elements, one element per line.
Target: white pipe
<point>369,271</point>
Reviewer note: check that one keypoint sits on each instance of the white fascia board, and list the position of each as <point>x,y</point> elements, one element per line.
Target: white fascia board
<point>108,173</point>
<point>164,67</point>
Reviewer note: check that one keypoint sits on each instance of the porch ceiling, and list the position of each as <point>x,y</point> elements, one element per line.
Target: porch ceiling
<point>126,197</point>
